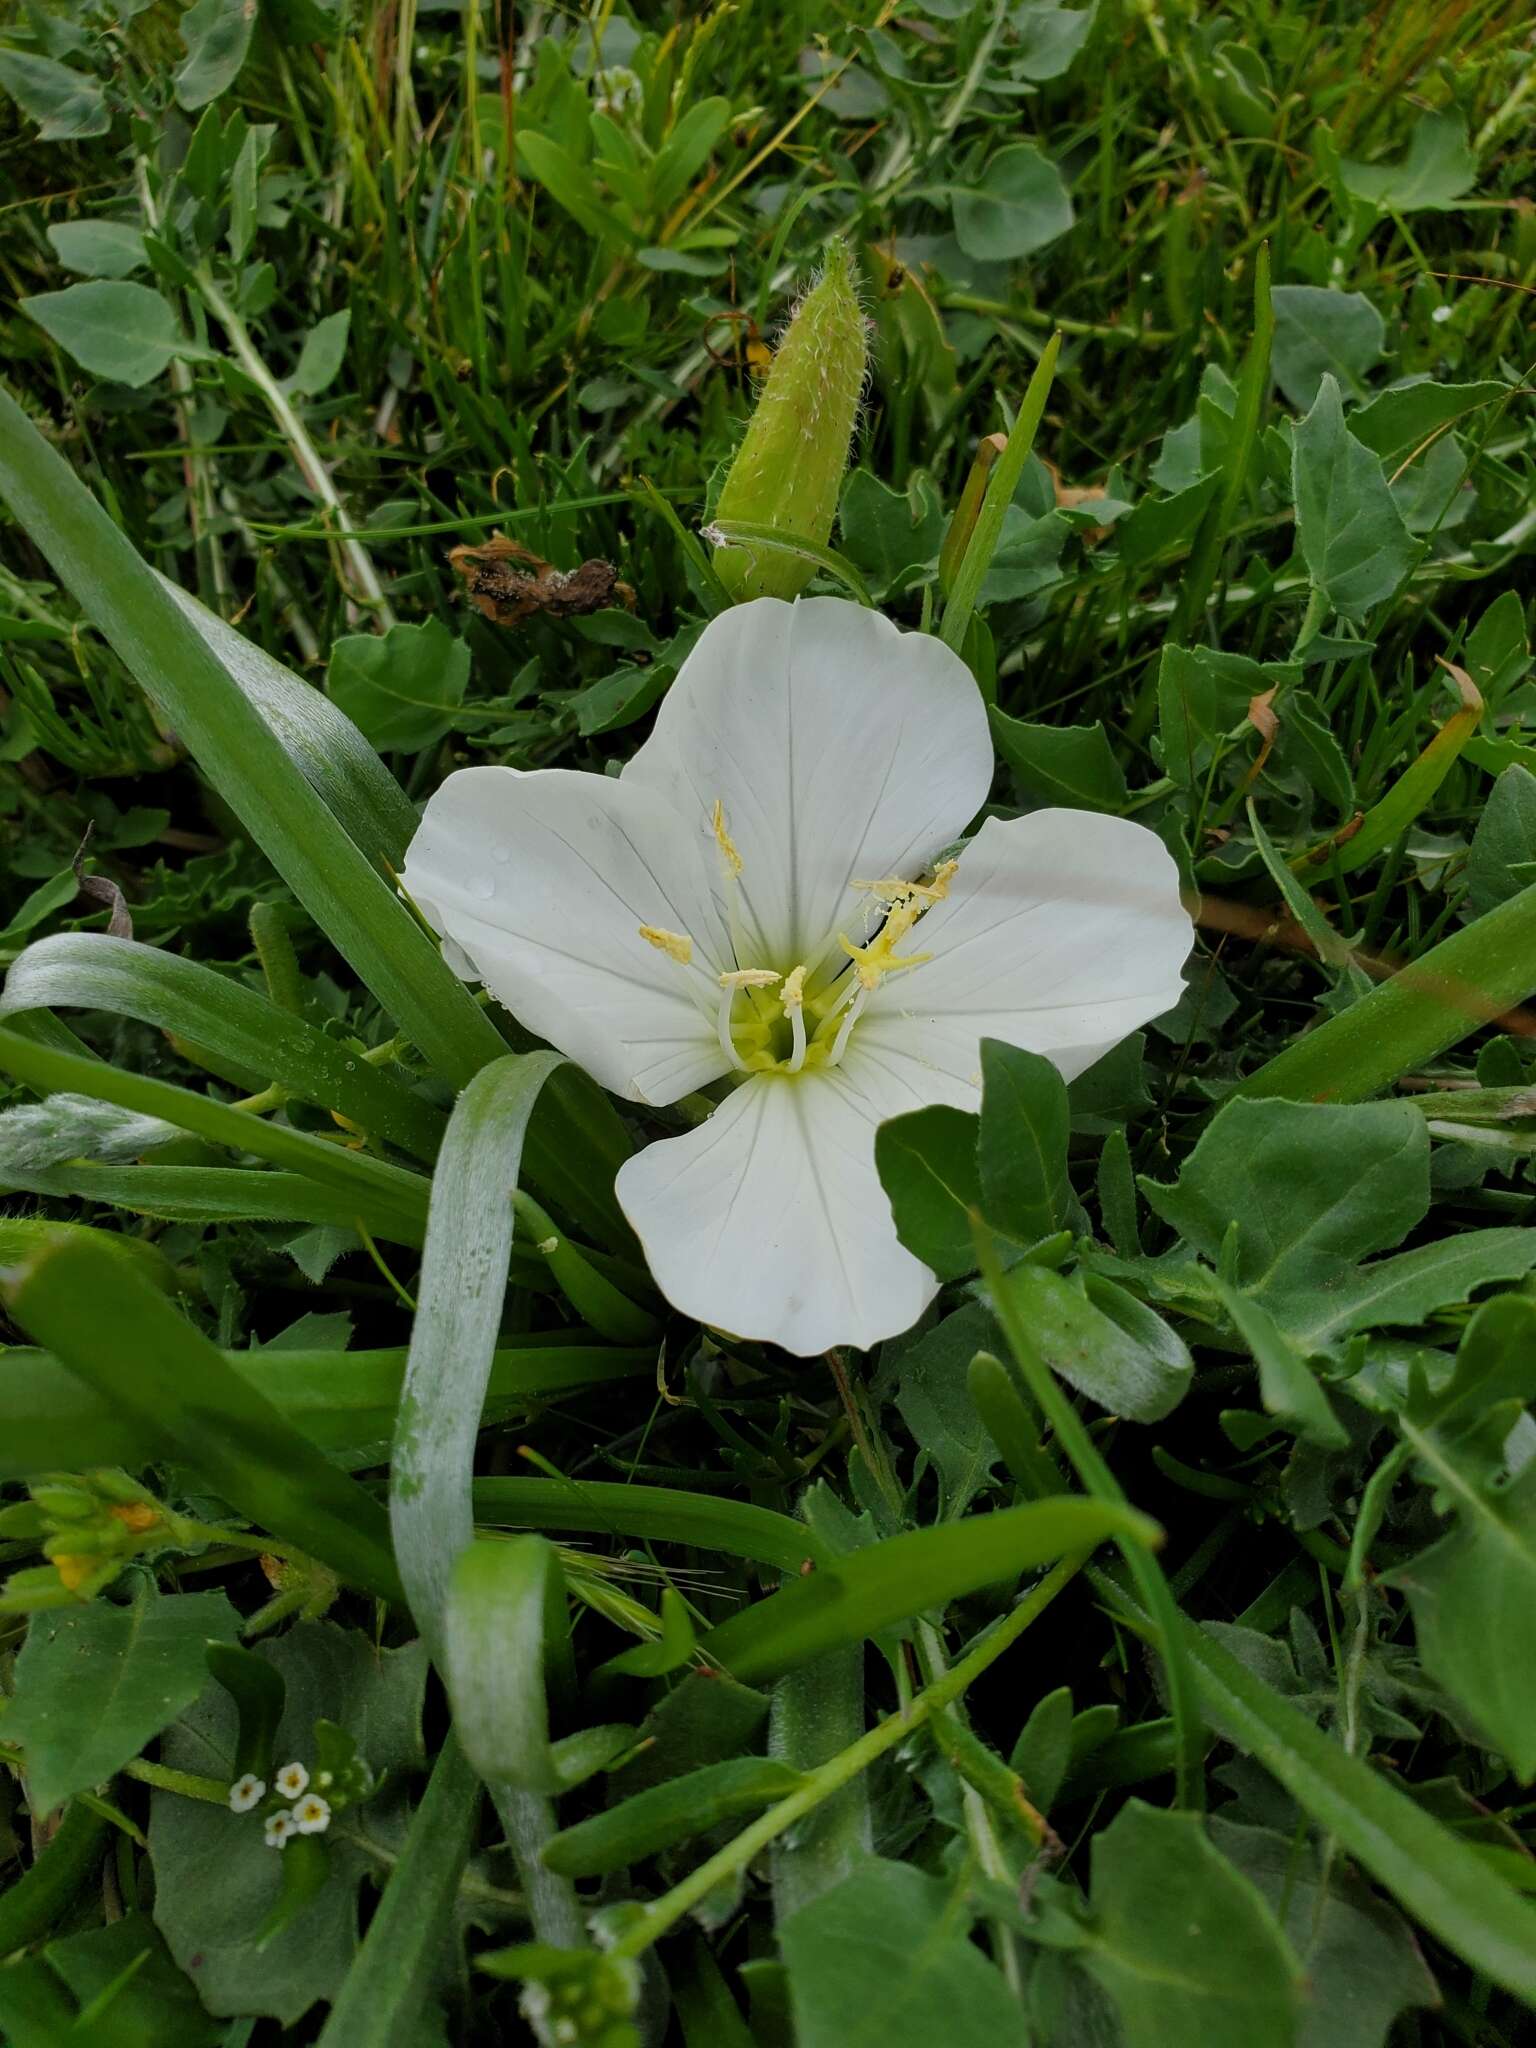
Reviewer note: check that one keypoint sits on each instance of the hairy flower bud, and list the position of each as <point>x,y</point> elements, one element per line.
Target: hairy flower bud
<point>789,468</point>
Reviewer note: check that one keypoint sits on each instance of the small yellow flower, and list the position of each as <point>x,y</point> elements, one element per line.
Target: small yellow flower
<point>312,1815</point>
<point>291,1781</point>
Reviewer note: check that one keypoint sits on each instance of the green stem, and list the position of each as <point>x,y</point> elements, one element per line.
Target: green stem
<point>1098,1480</point>
<point>842,1769</point>
<point>213,1791</point>
<point>528,1820</point>
<point>302,448</point>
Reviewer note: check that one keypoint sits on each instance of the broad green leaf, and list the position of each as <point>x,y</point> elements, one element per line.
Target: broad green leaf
<point>886,1956</point>
<point>216,1881</point>
<point>1320,333</point>
<point>178,664</point>
<point>323,353</point>
<point>217,34</point>
<point>402,689</point>
<point>1113,1349</point>
<point>1182,1942</point>
<point>505,1600</point>
<point>96,1684</point>
<point>1350,531</point>
<point>876,1588</point>
<point>1438,170</point>
<point>1049,38</point>
<point>1202,697</point>
<point>98,248</point>
<point>1312,1189</point>
<point>459,1307</point>
<point>1158,525</point>
<point>1473,1593</point>
<point>1403,419</point>
<point>1020,205</point>
<point>704,1719</point>
<point>572,186</point>
<point>687,150</point>
<point>125,1340</point>
<point>131,1994</point>
<point>89,970</point>
<point>1363,1966</point>
<point>1504,843</point>
<point>1286,1386</point>
<point>1021,1146</point>
<point>891,537</point>
<point>391,1980</point>
<point>927,1165</point>
<point>1061,764</point>
<point>936,1406</point>
<point>1042,1755</point>
<point>671,1812</point>
<point>66,104</point>
<point>1027,557</point>
<point>123,331</point>
<point>1497,653</point>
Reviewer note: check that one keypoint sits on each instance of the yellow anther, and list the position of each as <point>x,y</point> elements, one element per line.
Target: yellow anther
<point>750,977</point>
<point>892,889</point>
<point>723,839</point>
<point>676,945</point>
<point>792,994</point>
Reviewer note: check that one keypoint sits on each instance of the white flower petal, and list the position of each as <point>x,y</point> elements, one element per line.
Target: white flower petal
<point>543,881</point>
<point>1062,932</point>
<point>770,1221</point>
<point>841,748</point>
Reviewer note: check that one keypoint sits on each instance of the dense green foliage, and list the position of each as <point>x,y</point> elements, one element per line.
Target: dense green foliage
<point>666,1689</point>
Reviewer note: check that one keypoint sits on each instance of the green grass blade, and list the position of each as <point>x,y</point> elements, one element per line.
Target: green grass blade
<point>459,1305</point>
<point>90,971</point>
<point>890,1582</point>
<point>343,1401</point>
<point>1458,987</point>
<point>661,1514</point>
<point>180,669</point>
<point>391,1978</point>
<point>124,1340</point>
<point>374,1184</point>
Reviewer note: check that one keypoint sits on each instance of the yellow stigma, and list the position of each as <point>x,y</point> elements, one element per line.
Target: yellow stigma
<point>723,839</point>
<point>750,977</point>
<point>874,962</point>
<point>792,994</point>
<point>676,945</point>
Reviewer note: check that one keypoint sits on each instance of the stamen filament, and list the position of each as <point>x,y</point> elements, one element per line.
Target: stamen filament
<point>723,1026</point>
<point>840,1043</point>
<point>792,997</point>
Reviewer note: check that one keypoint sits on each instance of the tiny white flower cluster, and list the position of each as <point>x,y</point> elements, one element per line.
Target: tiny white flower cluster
<point>310,1813</point>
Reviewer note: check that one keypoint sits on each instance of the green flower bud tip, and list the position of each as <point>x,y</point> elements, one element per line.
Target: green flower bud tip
<point>789,468</point>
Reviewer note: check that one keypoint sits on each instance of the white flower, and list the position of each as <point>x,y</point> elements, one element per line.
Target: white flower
<point>756,900</point>
<point>247,1792</point>
<point>312,1814</point>
<point>291,1780</point>
<point>279,1828</point>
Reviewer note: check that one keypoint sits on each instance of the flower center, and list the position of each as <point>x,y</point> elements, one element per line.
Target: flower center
<point>796,1020</point>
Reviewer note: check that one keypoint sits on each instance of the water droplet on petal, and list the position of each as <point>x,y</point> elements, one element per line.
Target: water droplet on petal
<point>501,855</point>
<point>483,887</point>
